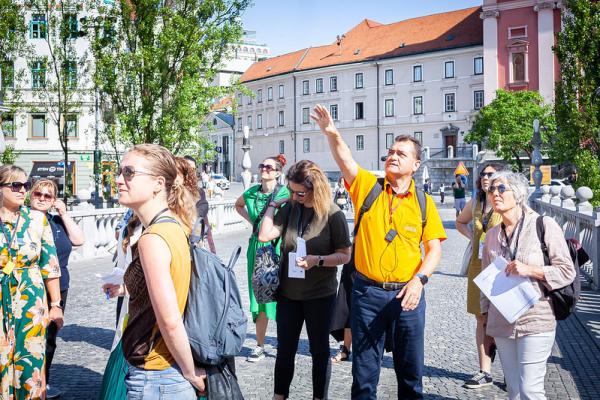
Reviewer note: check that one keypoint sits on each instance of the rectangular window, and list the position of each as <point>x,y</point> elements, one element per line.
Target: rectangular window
<point>477,99</point>
<point>259,121</point>
<point>449,69</point>
<point>478,66</point>
<point>281,147</point>
<point>249,100</point>
<point>305,115</point>
<point>281,118</point>
<point>358,80</point>
<point>239,124</point>
<point>305,88</point>
<point>269,93</point>
<point>418,105</point>
<point>281,91</point>
<point>333,110</point>
<point>38,126</point>
<point>72,26</point>
<point>249,121</point>
<point>37,26</point>
<point>70,74</point>
<point>418,73</point>
<point>449,102</point>
<point>7,70</point>
<point>333,84</point>
<point>418,136</point>
<point>389,107</point>
<point>306,145</point>
<point>240,99</point>
<point>259,96</point>
<point>8,125</point>
<point>319,85</point>
<point>71,125</point>
<point>359,111</point>
<point>389,76</point>
<point>38,74</point>
<point>360,142</point>
<point>389,140</point>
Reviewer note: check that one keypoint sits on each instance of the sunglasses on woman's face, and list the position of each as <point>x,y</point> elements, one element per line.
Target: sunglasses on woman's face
<point>17,186</point>
<point>42,196</point>
<point>299,194</point>
<point>501,188</point>
<point>266,167</point>
<point>486,174</point>
<point>129,172</point>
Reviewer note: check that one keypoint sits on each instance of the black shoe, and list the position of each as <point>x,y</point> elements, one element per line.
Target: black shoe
<point>480,379</point>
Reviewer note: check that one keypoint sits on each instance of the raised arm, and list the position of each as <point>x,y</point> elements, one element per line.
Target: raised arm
<point>339,149</point>
<point>268,230</point>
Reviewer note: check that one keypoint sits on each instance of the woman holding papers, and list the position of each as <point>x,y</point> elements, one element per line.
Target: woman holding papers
<point>479,211</point>
<point>525,344</point>
<point>315,241</point>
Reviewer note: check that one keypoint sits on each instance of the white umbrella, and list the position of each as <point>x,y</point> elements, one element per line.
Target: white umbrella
<point>425,175</point>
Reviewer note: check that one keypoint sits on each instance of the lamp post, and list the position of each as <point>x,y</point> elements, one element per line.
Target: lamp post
<point>246,163</point>
<point>536,159</point>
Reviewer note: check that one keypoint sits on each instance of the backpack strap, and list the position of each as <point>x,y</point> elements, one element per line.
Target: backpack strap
<point>422,199</point>
<point>373,193</point>
<point>264,210</point>
<point>541,233</point>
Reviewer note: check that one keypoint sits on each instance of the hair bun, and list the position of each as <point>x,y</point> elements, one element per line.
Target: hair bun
<point>281,159</point>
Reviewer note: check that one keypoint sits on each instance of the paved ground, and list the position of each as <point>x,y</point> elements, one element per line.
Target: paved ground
<point>573,372</point>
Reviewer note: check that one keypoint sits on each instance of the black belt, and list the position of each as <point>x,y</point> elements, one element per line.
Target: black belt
<point>391,286</point>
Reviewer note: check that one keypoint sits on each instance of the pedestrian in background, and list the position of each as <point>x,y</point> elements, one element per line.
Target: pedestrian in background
<point>525,345</point>
<point>308,284</point>
<point>442,193</point>
<point>66,234</point>
<point>459,192</point>
<point>252,205</point>
<point>202,207</point>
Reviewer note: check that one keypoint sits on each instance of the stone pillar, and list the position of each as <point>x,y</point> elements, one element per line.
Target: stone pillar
<point>490,54</point>
<point>246,163</point>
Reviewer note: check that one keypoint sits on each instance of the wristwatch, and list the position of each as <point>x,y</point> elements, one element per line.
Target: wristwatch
<point>60,304</point>
<point>321,260</point>
<point>423,278</point>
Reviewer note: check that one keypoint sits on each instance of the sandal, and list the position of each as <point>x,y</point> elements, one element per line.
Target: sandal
<point>342,355</point>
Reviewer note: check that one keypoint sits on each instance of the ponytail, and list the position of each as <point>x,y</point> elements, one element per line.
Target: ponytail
<point>184,193</point>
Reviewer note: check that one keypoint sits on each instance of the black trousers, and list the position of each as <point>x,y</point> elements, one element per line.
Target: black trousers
<point>291,315</point>
<point>51,333</point>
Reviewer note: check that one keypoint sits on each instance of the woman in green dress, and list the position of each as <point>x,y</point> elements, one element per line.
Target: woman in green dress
<point>251,205</point>
<point>29,268</point>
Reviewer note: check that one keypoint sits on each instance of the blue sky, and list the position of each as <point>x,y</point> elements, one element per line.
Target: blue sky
<point>288,25</point>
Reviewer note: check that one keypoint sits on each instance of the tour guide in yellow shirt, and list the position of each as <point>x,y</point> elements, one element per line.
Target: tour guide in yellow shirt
<point>387,250</point>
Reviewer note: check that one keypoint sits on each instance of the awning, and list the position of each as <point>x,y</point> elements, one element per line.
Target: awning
<point>49,169</point>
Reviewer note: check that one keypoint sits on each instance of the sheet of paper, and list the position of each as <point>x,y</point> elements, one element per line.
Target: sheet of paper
<point>294,271</point>
<point>300,247</point>
<point>511,295</point>
<point>114,277</point>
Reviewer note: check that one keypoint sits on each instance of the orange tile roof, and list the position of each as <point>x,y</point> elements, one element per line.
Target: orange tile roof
<point>371,40</point>
<point>224,103</point>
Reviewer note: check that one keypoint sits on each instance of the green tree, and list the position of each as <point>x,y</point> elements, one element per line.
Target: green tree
<point>506,124</point>
<point>577,104</point>
<point>155,61</point>
<point>10,155</point>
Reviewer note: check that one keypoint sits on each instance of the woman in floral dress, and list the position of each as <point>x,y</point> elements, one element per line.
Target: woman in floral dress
<point>29,268</point>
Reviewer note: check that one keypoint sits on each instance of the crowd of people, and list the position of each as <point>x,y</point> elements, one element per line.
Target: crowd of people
<point>378,305</point>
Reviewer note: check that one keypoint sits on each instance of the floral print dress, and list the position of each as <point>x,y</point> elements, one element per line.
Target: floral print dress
<point>24,306</point>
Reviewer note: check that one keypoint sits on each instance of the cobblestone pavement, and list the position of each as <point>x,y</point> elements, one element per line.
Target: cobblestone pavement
<point>573,373</point>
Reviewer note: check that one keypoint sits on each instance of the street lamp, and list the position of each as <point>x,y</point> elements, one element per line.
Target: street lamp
<point>536,159</point>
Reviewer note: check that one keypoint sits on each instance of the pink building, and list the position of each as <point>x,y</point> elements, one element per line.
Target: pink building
<point>518,36</point>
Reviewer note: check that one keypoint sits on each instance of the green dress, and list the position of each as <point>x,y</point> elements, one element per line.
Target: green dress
<point>255,201</point>
<point>24,305</point>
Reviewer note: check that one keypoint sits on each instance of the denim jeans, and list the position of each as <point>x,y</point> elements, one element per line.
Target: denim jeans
<point>376,313</point>
<point>168,384</point>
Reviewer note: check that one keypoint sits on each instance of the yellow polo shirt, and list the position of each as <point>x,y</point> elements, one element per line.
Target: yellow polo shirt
<point>399,260</point>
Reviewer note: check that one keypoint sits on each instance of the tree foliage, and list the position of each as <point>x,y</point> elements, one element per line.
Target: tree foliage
<point>155,61</point>
<point>577,104</point>
<point>506,124</point>
<point>13,43</point>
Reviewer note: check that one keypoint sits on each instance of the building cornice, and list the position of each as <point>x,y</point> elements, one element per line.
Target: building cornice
<point>545,5</point>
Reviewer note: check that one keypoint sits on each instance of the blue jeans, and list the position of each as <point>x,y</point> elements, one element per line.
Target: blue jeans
<point>168,384</point>
<point>375,313</point>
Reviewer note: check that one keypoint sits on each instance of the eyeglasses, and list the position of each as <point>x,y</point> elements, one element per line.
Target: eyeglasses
<point>129,172</point>
<point>299,194</point>
<point>17,186</point>
<point>484,174</point>
<point>42,196</point>
<point>501,188</point>
<point>266,167</point>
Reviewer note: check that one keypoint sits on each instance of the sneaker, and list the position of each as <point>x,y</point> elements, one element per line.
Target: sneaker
<point>479,380</point>
<point>257,354</point>
<point>52,392</point>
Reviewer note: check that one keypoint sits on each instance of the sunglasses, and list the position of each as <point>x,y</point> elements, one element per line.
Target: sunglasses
<point>266,167</point>
<point>484,174</point>
<point>129,173</point>
<point>299,194</point>
<point>17,186</point>
<point>501,188</point>
<point>42,196</point>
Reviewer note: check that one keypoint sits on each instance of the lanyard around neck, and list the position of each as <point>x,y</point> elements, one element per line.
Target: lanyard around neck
<point>302,228</point>
<point>521,222</point>
<point>10,242</point>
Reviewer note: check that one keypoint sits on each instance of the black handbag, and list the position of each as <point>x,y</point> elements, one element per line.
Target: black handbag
<point>221,383</point>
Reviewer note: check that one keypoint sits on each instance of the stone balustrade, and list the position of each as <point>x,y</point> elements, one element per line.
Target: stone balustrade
<point>573,211</point>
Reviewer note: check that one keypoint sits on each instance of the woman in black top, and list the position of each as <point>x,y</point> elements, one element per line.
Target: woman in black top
<point>66,234</point>
<point>308,282</point>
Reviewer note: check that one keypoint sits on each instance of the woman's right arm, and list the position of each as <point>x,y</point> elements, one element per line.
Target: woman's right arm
<point>268,230</point>
<point>240,207</point>
<point>463,220</point>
